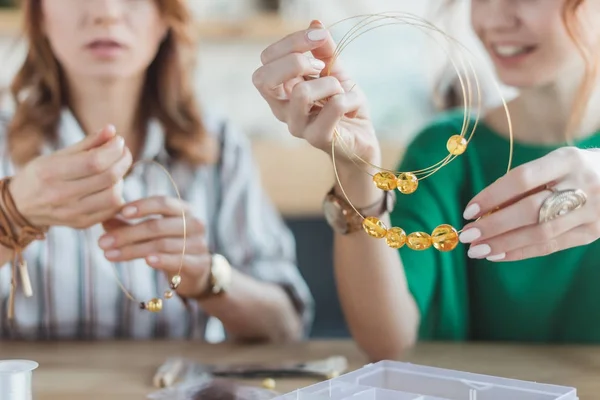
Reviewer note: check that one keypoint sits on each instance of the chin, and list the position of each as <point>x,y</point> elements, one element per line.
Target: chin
<point>526,79</point>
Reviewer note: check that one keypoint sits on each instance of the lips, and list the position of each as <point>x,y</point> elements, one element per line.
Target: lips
<point>104,43</point>
<point>505,51</point>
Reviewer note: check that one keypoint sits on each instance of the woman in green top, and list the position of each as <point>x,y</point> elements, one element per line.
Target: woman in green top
<point>550,290</point>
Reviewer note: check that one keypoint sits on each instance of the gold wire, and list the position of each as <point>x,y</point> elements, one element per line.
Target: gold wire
<point>467,92</point>
<point>127,292</point>
<point>337,137</point>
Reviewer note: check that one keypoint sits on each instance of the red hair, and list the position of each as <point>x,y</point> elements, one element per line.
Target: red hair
<point>39,91</point>
<point>451,98</point>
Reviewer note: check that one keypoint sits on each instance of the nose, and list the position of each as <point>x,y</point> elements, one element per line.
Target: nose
<point>106,12</point>
<point>499,15</point>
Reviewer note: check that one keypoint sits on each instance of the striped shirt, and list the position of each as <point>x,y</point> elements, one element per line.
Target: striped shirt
<point>76,295</point>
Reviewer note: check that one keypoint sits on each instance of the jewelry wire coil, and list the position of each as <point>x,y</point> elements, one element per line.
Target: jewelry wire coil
<point>465,84</point>
<point>176,279</point>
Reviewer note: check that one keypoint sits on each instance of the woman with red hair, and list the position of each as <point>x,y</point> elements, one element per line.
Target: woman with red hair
<point>527,272</point>
<point>106,83</point>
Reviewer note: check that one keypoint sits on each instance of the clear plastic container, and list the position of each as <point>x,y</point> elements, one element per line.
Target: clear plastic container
<point>388,380</point>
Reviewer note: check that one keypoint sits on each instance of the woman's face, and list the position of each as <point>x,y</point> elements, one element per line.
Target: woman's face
<point>526,39</point>
<point>104,39</point>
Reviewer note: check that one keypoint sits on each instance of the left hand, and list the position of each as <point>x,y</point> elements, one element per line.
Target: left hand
<point>160,241</point>
<point>513,231</point>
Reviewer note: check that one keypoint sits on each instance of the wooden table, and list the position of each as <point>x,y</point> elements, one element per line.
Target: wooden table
<point>123,370</point>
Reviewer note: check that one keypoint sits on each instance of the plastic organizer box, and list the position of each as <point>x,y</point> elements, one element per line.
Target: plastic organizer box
<point>388,380</point>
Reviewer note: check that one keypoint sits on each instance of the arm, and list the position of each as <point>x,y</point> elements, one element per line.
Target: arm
<point>379,308</point>
<point>391,297</point>
<point>268,299</point>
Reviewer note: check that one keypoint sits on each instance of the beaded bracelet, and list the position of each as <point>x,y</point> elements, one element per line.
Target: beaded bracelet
<point>156,303</point>
<point>444,237</point>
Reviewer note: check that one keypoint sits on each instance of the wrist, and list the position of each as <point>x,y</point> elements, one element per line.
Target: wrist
<point>21,203</point>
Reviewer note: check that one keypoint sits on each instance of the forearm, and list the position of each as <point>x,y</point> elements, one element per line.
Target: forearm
<point>379,309</point>
<point>252,310</point>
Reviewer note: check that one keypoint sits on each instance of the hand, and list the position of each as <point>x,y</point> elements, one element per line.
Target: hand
<point>513,232</point>
<point>159,240</point>
<point>78,186</point>
<point>293,98</point>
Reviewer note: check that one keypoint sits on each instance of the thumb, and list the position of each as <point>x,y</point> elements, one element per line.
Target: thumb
<point>326,53</point>
<point>91,141</point>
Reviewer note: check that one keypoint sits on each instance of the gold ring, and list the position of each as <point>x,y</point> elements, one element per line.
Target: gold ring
<point>560,203</point>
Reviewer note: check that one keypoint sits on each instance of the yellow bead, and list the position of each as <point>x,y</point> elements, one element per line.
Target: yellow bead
<point>385,180</point>
<point>444,238</point>
<point>154,305</point>
<point>407,183</point>
<point>456,145</point>
<point>418,241</point>
<point>175,282</point>
<point>269,383</point>
<point>168,294</point>
<point>374,227</point>
<point>395,238</point>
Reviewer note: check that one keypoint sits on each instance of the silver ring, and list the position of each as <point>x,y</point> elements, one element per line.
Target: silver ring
<point>560,203</point>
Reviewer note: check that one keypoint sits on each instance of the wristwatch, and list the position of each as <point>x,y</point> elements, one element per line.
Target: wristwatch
<point>343,219</point>
<point>219,279</point>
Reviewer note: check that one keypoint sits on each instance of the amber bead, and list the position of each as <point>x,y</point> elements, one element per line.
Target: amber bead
<point>395,238</point>
<point>456,145</point>
<point>418,241</point>
<point>374,227</point>
<point>407,183</point>
<point>168,294</point>
<point>154,305</point>
<point>385,180</point>
<point>175,282</point>
<point>444,238</point>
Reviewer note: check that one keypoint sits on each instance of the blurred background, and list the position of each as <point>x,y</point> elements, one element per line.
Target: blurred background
<point>398,68</point>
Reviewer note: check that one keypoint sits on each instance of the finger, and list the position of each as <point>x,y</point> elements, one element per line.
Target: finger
<point>268,77</point>
<point>517,215</point>
<point>95,208</point>
<point>114,223</point>
<point>91,185</point>
<point>530,177</point>
<point>195,245</point>
<point>326,52</point>
<point>320,132</point>
<point>156,205</point>
<point>87,163</point>
<point>151,229</point>
<point>303,99</point>
<point>580,236</point>
<point>90,141</point>
<point>538,234</point>
<point>195,265</point>
<point>297,42</point>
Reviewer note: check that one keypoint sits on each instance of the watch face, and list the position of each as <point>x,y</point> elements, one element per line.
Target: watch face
<point>334,214</point>
<point>221,271</point>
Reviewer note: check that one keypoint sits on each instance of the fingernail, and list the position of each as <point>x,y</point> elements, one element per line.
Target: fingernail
<point>112,253</point>
<point>129,211</point>
<point>106,242</point>
<point>111,128</point>
<point>479,251</point>
<point>152,259</point>
<point>317,64</point>
<point>471,211</point>
<point>469,235</point>
<point>317,35</point>
<point>497,257</point>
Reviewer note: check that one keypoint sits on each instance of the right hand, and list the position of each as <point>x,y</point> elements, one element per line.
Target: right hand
<point>281,81</point>
<point>78,186</point>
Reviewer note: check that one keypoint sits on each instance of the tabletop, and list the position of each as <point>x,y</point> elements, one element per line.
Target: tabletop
<point>124,370</point>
